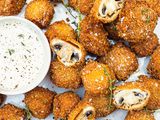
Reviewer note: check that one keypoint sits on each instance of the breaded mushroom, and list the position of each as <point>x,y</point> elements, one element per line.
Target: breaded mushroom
<point>154,64</point>
<point>40,12</point>
<point>11,112</point>
<point>107,10</point>
<point>65,77</point>
<point>63,104</point>
<point>61,30</point>
<point>63,43</point>
<point>11,7</point>
<point>102,104</point>
<point>84,6</point>
<point>93,36</point>
<point>122,61</point>
<point>39,102</point>
<point>96,76</point>
<point>153,4</point>
<point>135,22</point>
<point>82,111</point>
<point>153,85</point>
<point>2,99</point>
<point>140,115</point>
<point>131,96</point>
<point>147,47</point>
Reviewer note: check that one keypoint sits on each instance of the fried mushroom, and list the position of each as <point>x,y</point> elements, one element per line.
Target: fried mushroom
<point>64,103</point>
<point>140,115</point>
<point>40,12</point>
<point>131,96</point>
<point>107,10</point>
<point>82,111</point>
<point>147,47</point>
<point>11,112</point>
<point>39,102</point>
<point>11,7</point>
<point>93,36</point>
<point>154,64</point>
<point>96,76</point>
<point>84,6</point>
<point>65,77</point>
<point>101,103</point>
<point>122,61</point>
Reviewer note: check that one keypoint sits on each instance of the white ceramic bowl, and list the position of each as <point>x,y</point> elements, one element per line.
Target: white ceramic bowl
<point>25,87</point>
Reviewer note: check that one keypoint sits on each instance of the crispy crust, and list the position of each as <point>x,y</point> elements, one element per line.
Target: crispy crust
<point>147,47</point>
<point>95,11</point>
<point>39,102</point>
<point>153,86</point>
<point>84,6</point>
<point>136,21</point>
<point>64,103</point>
<point>122,61</point>
<point>93,36</point>
<point>130,86</point>
<point>154,64</point>
<point>65,77</point>
<point>11,7</point>
<point>100,103</point>
<point>40,12</point>
<point>60,30</point>
<point>11,112</point>
<point>94,77</point>
<point>79,107</point>
<point>139,115</point>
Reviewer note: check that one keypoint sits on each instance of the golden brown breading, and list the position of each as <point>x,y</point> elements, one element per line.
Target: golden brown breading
<point>40,12</point>
<point>2,99</point>
<point>131,96</point>
<point>11,112</point>
<point>153,4</point>
<point>82,111</point>
<point>64,103</point>
<point>65,77</point>
<point>60,30</point>
<point>101,103</point>
<point>84,6</point>
<point>135,22</point>
<point>122,61</point>
<point>154,64</point>
<point>140,115</point>
<point>39,102</point>
<point>11,7</point>
<point>147,47</point>
<point>107,10</point>
<point>93,36</point>
<point>153,86</point>
<point>96,76</point>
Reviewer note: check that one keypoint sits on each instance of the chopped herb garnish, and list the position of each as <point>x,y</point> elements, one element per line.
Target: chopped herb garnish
<point>111,88</point>
<point>11,51</point>
<point>114,28</point>
<point>144,11</point>
<point>21,36</point>
<point>79,27</point>
<point>22,43</point>
<point>28,51</point>
<point>28,114</point>
<point>148,19</point>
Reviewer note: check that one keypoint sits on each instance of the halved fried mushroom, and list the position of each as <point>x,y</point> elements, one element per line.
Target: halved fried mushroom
<point>107,10</point>
<point>131,99</point>
<point>69,52</point>
<point>82,111</point>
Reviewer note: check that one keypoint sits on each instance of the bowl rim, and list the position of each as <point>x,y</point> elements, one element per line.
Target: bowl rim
<point>46,60</point>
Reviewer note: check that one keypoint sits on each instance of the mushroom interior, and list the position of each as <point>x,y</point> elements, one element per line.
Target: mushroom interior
<point>68,53</point>
<point>87,113</point>
<point>130,97</point>
<point>110,7</point>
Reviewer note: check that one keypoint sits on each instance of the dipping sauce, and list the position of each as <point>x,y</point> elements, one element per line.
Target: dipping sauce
<point>21,55</point>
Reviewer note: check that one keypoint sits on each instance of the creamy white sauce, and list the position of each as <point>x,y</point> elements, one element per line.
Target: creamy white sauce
<point>21,55</point>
